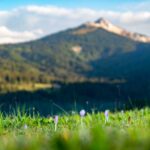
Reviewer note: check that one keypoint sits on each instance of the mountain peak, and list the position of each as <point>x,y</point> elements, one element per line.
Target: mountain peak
<point>108,26</point>
<point>102,21</point>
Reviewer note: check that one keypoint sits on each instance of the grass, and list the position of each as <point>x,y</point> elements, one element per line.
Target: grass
<point>24,87</point>
<point>128,130</point>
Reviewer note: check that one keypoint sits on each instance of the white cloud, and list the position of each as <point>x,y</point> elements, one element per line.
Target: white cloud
<point>31,22</point>
<point>47,10</point>
<point>133,18</point>
<point>8,36</point>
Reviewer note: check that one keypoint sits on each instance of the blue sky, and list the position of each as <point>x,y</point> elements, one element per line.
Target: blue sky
<point>96,4</point>
<point>24,20</point>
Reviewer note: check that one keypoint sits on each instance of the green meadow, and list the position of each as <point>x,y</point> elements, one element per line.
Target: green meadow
<point>120,130</point>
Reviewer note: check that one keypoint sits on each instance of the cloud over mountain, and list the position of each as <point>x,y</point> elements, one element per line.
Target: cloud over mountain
<point>31,22</point>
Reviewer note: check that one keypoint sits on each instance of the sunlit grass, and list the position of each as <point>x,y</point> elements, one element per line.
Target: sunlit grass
<point>123,130</point>
<point>24,87</point>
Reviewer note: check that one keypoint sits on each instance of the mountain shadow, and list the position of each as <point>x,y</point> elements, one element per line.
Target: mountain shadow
<point>76,96</point>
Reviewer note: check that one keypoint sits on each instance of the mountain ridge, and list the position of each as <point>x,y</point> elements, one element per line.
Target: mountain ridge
<point>89,65</point>
<point>69,55</point>
<point>108,26</point>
